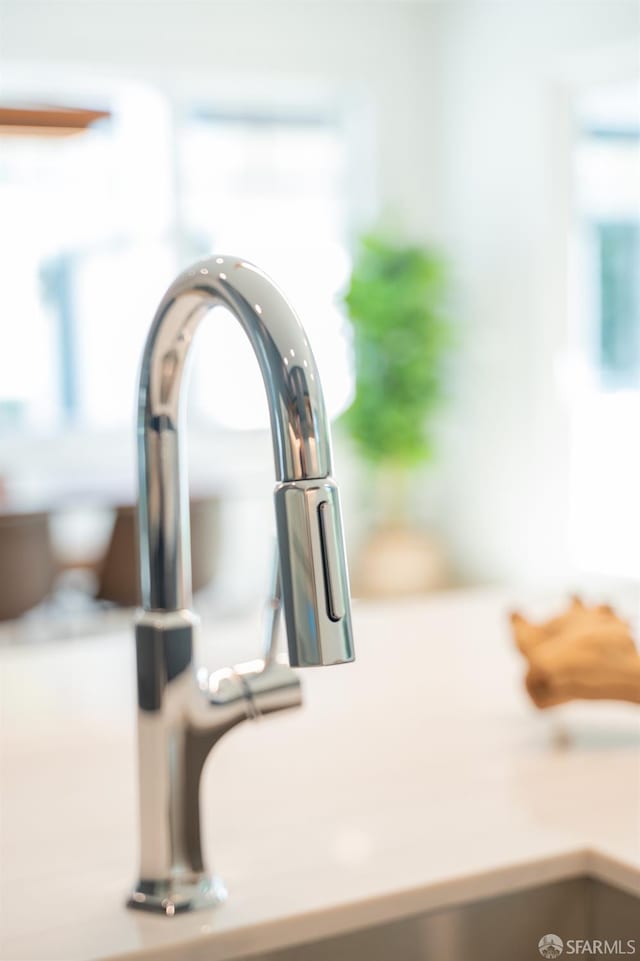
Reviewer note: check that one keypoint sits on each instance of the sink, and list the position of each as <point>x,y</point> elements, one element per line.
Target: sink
<point>505,928</point>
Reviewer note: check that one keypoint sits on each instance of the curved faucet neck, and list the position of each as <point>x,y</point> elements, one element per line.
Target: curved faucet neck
<point>299,427</point>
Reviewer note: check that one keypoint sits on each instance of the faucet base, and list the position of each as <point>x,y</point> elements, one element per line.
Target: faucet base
<point>176,896</point>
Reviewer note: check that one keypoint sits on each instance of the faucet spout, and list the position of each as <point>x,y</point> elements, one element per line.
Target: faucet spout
<point>313,568</point>
<point>183,711</point>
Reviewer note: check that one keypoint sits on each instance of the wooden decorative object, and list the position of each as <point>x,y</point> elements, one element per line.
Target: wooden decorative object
<point>585,653</point>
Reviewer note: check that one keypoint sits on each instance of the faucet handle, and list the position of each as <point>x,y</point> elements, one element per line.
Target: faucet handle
<point>313,573</point>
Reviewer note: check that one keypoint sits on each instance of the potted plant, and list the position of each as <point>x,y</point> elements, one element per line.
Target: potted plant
<point>396,303</point>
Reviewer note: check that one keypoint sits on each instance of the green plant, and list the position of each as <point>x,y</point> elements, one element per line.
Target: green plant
<point>401,332</point>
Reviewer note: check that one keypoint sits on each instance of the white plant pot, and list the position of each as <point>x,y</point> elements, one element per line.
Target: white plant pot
<point>396,561</point>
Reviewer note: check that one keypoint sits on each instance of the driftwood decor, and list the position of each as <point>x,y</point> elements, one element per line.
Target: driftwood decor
<point>585,653</point>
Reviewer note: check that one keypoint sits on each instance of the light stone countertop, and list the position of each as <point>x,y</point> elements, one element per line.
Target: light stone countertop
<point>416,778</point>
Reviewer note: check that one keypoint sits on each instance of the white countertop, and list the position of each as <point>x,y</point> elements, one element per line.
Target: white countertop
<point>415,778</point>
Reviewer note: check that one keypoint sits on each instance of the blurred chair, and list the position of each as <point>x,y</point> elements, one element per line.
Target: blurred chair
<point>27,562</point>
<point>118,573</point>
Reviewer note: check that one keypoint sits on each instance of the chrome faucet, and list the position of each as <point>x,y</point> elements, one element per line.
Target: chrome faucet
<point>183,709</point>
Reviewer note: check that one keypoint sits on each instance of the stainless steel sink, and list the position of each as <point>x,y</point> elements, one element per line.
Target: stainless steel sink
<point>506,928</point>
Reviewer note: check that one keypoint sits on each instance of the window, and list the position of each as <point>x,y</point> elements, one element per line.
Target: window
<point>272,189</point>
<point>618,304</point>
<point>605,399</point>
<point>86,228</point>
<point>98,225</point>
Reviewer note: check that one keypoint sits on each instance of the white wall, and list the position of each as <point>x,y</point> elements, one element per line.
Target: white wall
<point>468,102</point>
<point>507,73</point>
